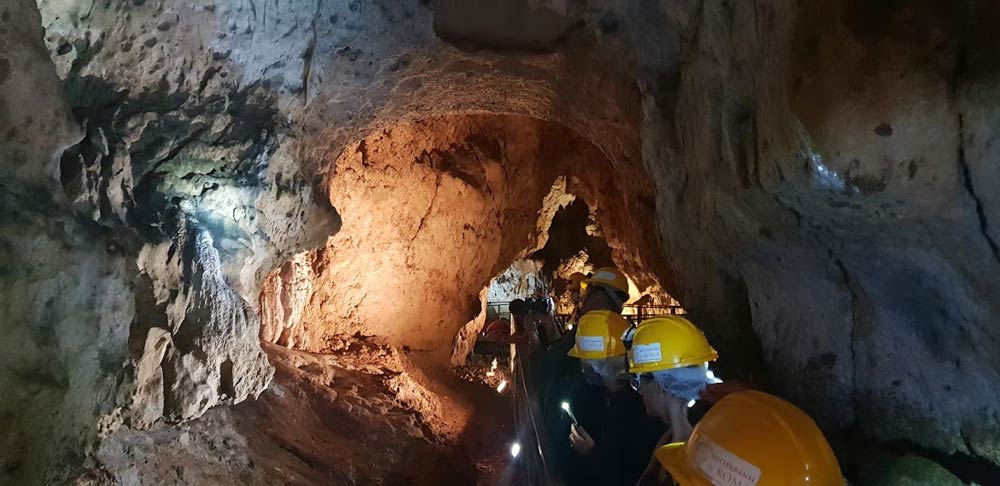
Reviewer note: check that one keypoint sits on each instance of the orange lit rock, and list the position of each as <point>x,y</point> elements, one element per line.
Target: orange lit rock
<point>815,181</point>
<point>436,208</point>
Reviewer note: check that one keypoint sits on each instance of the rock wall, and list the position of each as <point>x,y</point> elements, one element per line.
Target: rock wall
<point>62,296</point>
<point>432,210</point>
<point>139,214</point>
<point>811,181</point>
<point>841,185</point>
<point>519,281</point>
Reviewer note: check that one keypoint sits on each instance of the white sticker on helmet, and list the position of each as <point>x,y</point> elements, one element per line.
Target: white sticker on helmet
<point>646,353</point>
<point>590,343</point>
<point>723,467</point>
<point>603,276</point>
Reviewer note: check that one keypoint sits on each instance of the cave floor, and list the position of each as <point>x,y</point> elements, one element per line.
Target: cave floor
<point>364,413</point>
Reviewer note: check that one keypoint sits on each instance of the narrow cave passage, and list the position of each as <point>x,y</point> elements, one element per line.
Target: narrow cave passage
<point>258,243</point>
<point>398,298</point>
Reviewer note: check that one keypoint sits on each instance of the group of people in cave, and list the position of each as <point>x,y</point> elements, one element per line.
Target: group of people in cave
<point>638,404</point>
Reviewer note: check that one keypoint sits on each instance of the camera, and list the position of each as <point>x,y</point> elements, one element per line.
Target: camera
<point>539,305</point>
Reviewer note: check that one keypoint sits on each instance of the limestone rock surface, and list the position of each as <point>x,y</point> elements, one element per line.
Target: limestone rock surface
<point>813,181</point>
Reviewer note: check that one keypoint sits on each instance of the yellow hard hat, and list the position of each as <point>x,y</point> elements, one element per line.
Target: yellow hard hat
<point>575,279</point>
<point>599,335</point>
<point>751,437</point>
<point>610,276</point>
<point>668,342</point>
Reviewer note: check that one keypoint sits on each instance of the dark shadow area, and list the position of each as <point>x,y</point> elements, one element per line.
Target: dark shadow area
<point>568,237</point>
<point>969,469</point>
<point>335,423</point>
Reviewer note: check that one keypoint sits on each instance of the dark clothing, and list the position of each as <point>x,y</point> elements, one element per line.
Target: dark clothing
<point>709,397</point>
<point>698,411</point>
<point>624,435</point>
<point>553,375</point>
<point>546,328</point>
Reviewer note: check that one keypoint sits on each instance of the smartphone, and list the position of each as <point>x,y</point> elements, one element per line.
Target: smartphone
<point>569,413</point>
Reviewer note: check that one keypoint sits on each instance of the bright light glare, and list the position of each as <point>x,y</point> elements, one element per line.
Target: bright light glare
<point>569,327</point>
<point>502,386</point>
<point>691,404</point>
<point>711,377</point>
<point>493,368</point>
<point>565,406</point>
<point>515,449</point>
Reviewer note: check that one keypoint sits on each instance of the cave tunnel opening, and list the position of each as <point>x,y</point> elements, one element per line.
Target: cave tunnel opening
<point>575,244</point>
<point>442,219</point>
<point>258,242</point>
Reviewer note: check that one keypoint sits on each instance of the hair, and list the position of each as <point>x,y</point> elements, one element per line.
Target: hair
<point>620,297</point>
<point>616,296</point>
<point>517,306</point>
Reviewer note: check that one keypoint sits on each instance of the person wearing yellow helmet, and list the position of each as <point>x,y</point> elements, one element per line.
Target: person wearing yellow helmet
<point>605,289</point>
<point>752,438</point>
<point>601,451</point>
<point>608,289</point>
<point>668,359</point>
<point>607,449</point>
<point>601,350</point>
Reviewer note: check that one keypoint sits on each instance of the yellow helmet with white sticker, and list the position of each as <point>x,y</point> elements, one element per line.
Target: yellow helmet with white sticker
<point>609,277</point>
<point>751,438</point>
<point>599,335</point>
<point>668,342</point>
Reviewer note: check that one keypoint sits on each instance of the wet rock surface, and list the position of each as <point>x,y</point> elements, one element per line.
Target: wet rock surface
<point>812,182</point>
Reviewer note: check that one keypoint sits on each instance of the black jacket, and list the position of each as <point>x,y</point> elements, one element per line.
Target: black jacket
<point>624,435</point>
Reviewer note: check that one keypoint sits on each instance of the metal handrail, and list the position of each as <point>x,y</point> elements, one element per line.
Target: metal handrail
<point>645,311</point>
<point>670,308</point>
<point>534,423</point>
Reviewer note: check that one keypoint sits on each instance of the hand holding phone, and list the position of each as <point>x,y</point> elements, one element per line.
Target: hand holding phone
<point>565,408</point>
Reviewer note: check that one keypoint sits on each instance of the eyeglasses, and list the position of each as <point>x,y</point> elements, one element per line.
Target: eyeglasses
<point>636,380</point>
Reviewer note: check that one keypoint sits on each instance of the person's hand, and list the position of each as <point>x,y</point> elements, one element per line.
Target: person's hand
<point>580,440</point>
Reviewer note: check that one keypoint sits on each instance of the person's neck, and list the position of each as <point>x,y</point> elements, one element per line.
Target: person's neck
<point>678,420</point>
<point>665,417</point>
<point>597,301</point>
